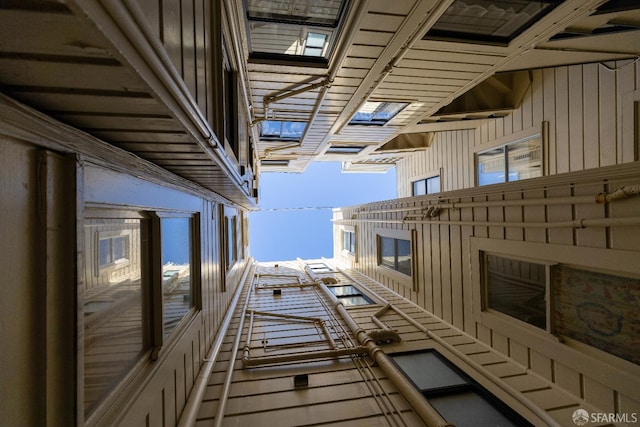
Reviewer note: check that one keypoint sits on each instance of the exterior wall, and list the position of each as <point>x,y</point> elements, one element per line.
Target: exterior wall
<point>46,200</point>
<point>591,148</point>
<point>591,113</point>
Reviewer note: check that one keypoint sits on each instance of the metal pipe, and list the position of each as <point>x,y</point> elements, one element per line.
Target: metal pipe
<point>576,223</point>
<point>284,358</point>
<point>420,405</point>
<point>226,387</point>
<point>496,380</point>
<point>191,407</point>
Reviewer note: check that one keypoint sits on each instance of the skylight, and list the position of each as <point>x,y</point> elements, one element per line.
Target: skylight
<point>345,149</point>
<point>377,113</point>
<point>293,29</point>
<point>281,130</point>
<point>498,21</point>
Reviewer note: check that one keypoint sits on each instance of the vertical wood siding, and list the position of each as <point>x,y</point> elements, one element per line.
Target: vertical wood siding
<point>590,109</point>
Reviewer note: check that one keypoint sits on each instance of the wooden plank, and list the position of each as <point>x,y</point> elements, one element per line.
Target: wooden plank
<point>607,120</point>
<point>591,122</point>
<point>172,32</point>
<point>562,120</point>
<point>625,87</point>
<point>576,125</point>
<point>550,116</point>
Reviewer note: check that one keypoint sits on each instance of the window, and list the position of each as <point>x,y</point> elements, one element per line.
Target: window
<point>319,267</point>
<point>274,162</point>
<point>113,250</point>
<point>177,285</point>
<point>230,236</point>
<point>517,289</point>
<point>426,186</point>
<point>293,30</point>
<point>349,241</point>
<point>531,290</point>
<point>377,113</point>
<point>489,21</point>
<point>395,254</point>
<point>458,399</point>
<point>511,162</point>
<point>115,336</point>
<point>350,296</point>
<point>345,149</point>
<point>273,130</point>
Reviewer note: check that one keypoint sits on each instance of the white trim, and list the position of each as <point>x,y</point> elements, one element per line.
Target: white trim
<point>391,274</point>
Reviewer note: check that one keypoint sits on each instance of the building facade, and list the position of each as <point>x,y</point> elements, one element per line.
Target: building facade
<point>132,138</point>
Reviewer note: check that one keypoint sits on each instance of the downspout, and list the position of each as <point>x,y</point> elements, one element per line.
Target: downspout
<point>414,397</point>
<point>192,406</point>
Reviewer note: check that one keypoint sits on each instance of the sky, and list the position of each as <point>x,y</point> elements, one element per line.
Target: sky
<point>281,234</point>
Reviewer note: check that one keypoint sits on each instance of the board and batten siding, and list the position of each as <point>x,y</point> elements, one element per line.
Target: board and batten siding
<point>591,111</point>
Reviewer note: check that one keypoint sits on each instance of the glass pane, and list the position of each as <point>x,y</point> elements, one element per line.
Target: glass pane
<point>404,256</point>
<point>114,339</point>
<point>491,167</point>
<point>433,185</point>
<point>292,130</point>
<point>525,159</point>
<point>105,256</point>
<point>316,40</point>
<point>387,252</point>
<point>468,408</point>
<point>270,128</point>
<point>177,296</point>
<point>517,288</point>
<point>119,248</point>
<point>428,371</point>
<point>419,187</point>
<point>491,18</point>
<point>354,300</point>
<point>346,290</point>
<point>388,110</point>
<point>352,247</point>
<point>298,11</point>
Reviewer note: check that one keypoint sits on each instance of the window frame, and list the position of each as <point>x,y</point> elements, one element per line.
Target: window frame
<point>425,177</point>
<point>435,33</point>
<point>330,29</point>
<point>541,131</point>
<point>383,270</point>
<point>470,385</point>
<point>279,137</point>
<point>360,293</point>
<point>345,252</point>
<point>340,149</point>
<point>377,122</point>
<point>588,258</point>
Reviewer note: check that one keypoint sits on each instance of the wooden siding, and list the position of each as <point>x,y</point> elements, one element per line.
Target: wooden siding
<point>590,109</point>
<point>448,290</point>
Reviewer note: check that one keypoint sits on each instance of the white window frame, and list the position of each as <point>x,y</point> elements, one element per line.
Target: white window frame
<point>410,282</point>
<point>541,130</point>
<point>353,256</point>
<point>589,258</point>
<point>432,174</point>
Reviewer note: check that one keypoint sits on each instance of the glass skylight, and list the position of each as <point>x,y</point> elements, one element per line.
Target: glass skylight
<point>282,130</point>
<point>377,113</point>
<point>489,20</point>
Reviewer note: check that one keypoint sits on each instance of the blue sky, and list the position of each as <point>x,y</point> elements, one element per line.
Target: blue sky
<point>282,235</point>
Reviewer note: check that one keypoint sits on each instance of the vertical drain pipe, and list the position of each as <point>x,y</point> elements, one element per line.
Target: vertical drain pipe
<point>420,405</point>
<point>224,395</point>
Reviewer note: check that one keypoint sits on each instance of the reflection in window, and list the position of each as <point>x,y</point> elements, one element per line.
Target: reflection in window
<point>349,295</point>
<point>377,113</point>
<point>395,254</point>
<point>511,162</point>
<point>114,337</point>
<point>517,288</point>
<point>456,397</point>
<point>231,238</point>
<point>426,186</point>
<point>177,293</point>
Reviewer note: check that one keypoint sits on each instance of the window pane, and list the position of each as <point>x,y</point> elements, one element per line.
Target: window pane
<point>302,12</point>
<point>470,409</point>
<point>346,290</point>
<point>419,187</point>
<point>388,110</point>
<point>525,159</point>
<point>387,252</point>
<point>114,339</point>
<point>433,185</point>
<point>404,256</point>
<point>270,128</point>
<point>517,288</point>
<point>491,167</point>
<point>177,297</point>
<point>427,371</point>
<point>119,248</point>
<point>354,300</point>
<point>352,246</point>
